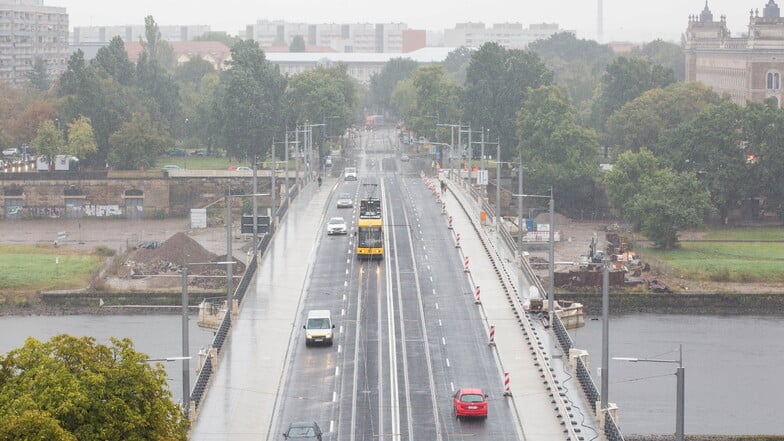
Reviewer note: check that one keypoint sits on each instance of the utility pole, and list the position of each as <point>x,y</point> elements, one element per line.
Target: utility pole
<point>186,379</point>
<point>255,207</point>
<point>229,273</point>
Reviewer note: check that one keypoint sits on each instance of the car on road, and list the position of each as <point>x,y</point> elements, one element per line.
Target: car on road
<point>303,430</point>
<point>336,225</point>
<point>170,167</point>
<point>243,169</point>
<point>350,174</point>
<point>470,402</point>
<point>404,158</point>
<point>345,201</point>
<point>11,151</point>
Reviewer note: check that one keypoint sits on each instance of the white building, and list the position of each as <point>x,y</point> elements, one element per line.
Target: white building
<point>104,34</point>
<point>29,31</point>
<point>361,66</point>
<point>510,35</point>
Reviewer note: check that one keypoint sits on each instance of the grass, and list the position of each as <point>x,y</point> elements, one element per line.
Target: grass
<point>29,268</point>
<point>742,256</point>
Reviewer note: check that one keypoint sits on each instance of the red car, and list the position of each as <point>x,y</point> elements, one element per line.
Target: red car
<point>470,402</point>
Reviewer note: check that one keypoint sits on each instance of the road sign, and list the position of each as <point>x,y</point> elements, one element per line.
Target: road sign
<point>481,177</point>
<point>262,224</point>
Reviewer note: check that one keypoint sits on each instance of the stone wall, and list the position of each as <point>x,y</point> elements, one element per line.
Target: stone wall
<point>122,194</point>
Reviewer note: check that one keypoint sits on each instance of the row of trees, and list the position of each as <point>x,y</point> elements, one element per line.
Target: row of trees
<point>136,111</point>
<point>681,153</point>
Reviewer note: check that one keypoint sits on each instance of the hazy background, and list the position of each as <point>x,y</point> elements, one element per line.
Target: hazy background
<point>633,20</point>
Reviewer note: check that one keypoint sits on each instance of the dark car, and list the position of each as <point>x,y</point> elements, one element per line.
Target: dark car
<point>470,402</point>
<point>303,430</point>
<point>176,153</point>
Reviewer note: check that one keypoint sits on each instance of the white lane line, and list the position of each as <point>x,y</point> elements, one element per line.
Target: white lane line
<point>340,349</point>
<point>434,291</point>
<point>447,363</point>
<point>443,340</point>
<point>345,284</point>
<point>451,385</point>
<point>337,369</point>
<point>431,280</point>
<point>342,312</point>
<point>341,329</point>
<point>331,422</point>
<point>334,396</point>
<point>439,320</point>
<point>436,305</point>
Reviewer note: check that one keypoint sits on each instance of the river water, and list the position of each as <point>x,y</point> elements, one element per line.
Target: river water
<point>157,335</point>
<point>733,378</point>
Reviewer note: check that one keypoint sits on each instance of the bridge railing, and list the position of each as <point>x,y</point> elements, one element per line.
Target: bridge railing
<point>221,335</point>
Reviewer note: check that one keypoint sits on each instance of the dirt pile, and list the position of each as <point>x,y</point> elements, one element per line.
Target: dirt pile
<point>169,257</point>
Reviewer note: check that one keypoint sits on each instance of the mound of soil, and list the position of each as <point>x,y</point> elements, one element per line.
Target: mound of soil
<point>178,249</point>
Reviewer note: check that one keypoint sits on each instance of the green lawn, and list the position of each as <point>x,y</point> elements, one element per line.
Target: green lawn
<point>745,257</point>
<point>32,268</point>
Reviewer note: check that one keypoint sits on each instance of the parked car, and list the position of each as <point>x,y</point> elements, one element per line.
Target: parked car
<point>303,431</point>
<point>336,225</point>
<point>470,402</point>
<point>243,169</point>
<point>11,151</point>
<point>170,167</point>
<point>176,153</point>
<point>345,201</point>
<point>404,158</point>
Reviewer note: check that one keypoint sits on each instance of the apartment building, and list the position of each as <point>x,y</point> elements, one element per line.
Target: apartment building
<point>104,34</point>
<point>510,35</point>
<point>30,31</point>
<point>341,37</point>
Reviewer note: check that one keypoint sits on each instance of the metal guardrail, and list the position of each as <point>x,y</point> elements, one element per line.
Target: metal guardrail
<point>202,381</point>
<point>611,430</point>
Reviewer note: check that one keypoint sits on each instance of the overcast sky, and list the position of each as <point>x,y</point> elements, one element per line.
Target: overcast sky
<point>624,20</point>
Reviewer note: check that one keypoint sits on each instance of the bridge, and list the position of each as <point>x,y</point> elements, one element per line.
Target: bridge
<point>444,309</point>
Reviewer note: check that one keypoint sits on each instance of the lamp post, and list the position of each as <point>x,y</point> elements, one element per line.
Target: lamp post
<point>451,143</point>
<point>680,374</point>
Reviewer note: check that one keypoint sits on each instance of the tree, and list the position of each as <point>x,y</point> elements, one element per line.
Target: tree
<point>160,89</point>
<point>497,84</point>
<point>297,44</point>
<point>640,122</point>
<point>559,153</point>
<point>709,147</point>
<point>73,388</point>
<point>39,77</point>
<point>24,125</point>
<point>435,98</point>
<point>48,141</point>
<point>249,105</point>
<point>383,83</point>
<point>81,139</point>
<point>456,63</point>
<point>577,64</point>
<point>193,70</point>
<point>624,80</point>
<point>223,37</point>
<point>626,178</point>
<point>112,60</point>
<point>668,202</point>
<point>762,146</point>
<point>157,49</point>
<point>137,143</point>
<point>323,92</point>
<point>668,55</point>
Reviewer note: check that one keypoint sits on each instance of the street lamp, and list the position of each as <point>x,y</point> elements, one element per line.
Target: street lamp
<point>680,373</point>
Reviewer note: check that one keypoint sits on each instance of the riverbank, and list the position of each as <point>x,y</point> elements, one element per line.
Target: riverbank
<point>668,303</point>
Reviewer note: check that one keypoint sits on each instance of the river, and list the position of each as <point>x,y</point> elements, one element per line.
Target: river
<point>157,335</point>
<point>733,377</point>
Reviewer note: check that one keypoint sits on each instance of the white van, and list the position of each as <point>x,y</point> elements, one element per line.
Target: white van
<point>350,174</point>
<point>318,328</point>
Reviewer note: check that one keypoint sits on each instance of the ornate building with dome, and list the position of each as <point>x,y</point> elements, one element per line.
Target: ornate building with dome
<point>746,68</point>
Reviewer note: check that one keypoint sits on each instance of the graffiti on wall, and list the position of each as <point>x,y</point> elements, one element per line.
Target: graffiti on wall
<point>102,210</point>
<point>42,212</point>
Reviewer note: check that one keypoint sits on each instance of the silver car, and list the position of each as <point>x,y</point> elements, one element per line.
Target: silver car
<point>336,225</point>
<point>345,201</point>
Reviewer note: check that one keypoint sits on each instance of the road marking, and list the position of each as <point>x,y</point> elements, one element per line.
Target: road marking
<point>342,311</point>
<point>443,340</point>
<point>439,320</point>
<point>436,305</point>
<point>447,363</point>
<point>337,371</point>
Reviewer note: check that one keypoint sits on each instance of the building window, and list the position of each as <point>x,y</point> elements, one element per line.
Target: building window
<point>774,81</point>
